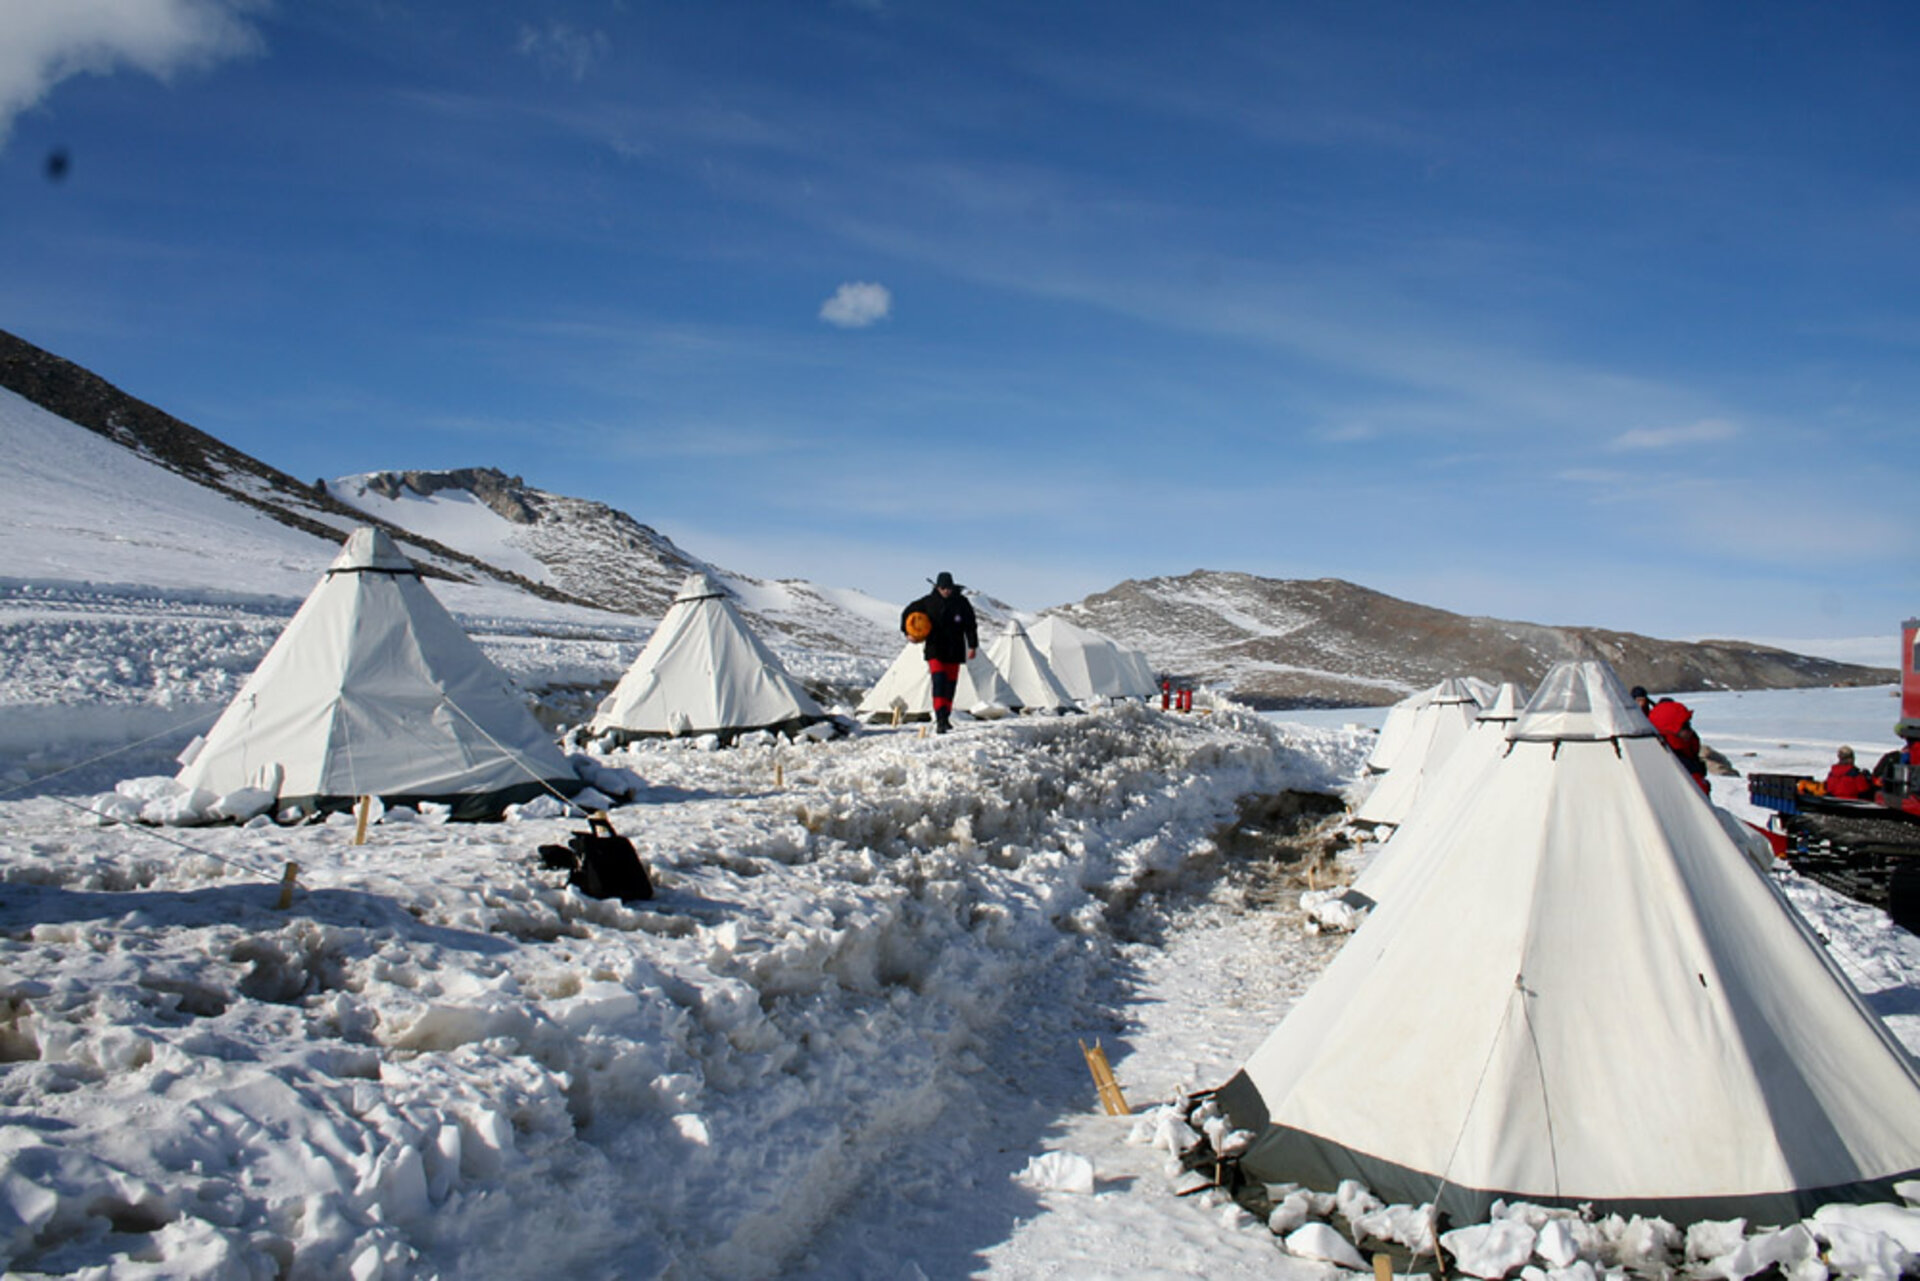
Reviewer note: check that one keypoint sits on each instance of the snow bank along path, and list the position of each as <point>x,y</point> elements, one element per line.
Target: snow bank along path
<point>443,1061</point>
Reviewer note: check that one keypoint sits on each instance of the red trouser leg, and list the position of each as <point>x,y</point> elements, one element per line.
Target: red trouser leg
<point>946,677</point>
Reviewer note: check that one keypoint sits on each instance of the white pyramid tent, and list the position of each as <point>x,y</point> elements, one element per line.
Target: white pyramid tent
<point>1394,730</point>
<point>373,689</point>
<point>1592,998</point>
<point>1433,733</point>
<point>1452,786</point>
<point>981,690</point>
<point>1400,719</point>
<point>703,671</point>
<point>1089,664</point>
<point>1026,669</point>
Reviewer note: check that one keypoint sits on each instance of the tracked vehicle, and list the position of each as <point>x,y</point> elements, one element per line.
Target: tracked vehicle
<point>1868,849</point>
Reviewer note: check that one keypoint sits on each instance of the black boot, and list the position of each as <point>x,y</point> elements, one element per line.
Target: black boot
<point>941,725</point>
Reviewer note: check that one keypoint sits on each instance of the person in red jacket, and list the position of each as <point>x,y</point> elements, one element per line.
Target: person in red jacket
<point>1674,720</point>
<point>1847,781</point>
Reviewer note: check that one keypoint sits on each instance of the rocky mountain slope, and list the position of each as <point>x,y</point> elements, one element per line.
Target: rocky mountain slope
<point>583,548</point>
<point>601,554</point>
<point>1324,642</point>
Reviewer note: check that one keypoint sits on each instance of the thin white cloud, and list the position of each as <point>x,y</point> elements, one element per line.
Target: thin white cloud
<point>1705,432</point>
<point>857,304</point>
<point>563,50</point>
<point>47,41</point>
<point>1349,433</point>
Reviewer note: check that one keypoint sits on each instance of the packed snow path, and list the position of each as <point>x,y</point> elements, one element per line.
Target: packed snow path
<point>1182,1008</point>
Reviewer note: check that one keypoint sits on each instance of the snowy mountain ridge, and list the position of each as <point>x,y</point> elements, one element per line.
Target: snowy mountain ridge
<point>595,552</point>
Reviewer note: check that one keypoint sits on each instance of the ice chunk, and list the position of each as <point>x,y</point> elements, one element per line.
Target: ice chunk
<point>1898,1222</point>
<point>1319,1241</point>
<point>1490,1250</point>
<point>1058,1172</point>
<point>1289,1213</point>
<point>1715,1238</point>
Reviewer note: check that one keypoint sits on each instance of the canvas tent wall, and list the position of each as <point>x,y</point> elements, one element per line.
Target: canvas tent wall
<point>1019,660</point>
<point>1089,664</point>
<point>1434,731</point>
<point>1592,998</point>
<point>1139,671</point>
<point>1452,786</point>
<point>703,671</point>
<point>1395,728</point>
<point>374,689</point>
<point>982,691</point>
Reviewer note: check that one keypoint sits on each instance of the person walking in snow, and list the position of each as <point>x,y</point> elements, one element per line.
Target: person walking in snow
<point>951,637</point>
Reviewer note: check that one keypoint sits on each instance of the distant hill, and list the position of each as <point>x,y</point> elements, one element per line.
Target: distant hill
<point>1323,642</point>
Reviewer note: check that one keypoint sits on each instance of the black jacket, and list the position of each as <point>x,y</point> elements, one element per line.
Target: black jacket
<point>954,629</point>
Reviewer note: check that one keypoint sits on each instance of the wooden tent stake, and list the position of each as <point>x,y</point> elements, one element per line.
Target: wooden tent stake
<point>1109,1089</point>
<point>360,827</point>
<point>286,887</point>
<point>1382,1267</point>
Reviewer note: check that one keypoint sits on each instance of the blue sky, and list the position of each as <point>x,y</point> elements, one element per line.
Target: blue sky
<point>1571,313</point>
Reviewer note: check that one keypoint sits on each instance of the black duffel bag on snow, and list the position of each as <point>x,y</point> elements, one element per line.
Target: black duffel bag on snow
<point>601,862</point>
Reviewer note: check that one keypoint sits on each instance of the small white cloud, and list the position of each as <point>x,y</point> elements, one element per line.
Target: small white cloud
<point>1704,432</point>
<point>562,50</point>
<point>48,41</point>
<point>856,305</point>
<point>1348,433</point>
